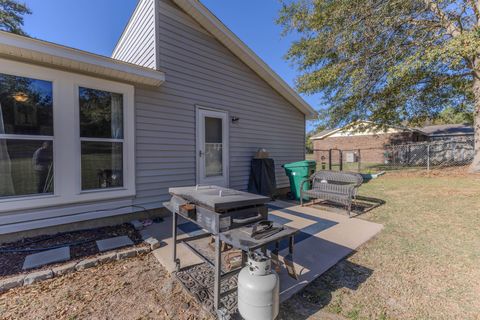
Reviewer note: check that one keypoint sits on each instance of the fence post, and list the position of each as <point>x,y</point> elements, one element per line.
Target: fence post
<point>428,157</point>
<point>341,160</point>
<point>330,159</point>
<point>359,159</point>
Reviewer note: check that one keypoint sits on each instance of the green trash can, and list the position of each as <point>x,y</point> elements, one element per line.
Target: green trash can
<point>296,173</point>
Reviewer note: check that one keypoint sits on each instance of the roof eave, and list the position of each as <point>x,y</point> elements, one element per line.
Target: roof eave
<point>21,48</point>
<point>212,24</point>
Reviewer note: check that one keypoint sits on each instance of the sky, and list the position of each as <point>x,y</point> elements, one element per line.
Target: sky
<point>96,25</point>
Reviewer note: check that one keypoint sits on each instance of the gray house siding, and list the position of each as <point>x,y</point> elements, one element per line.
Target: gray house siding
<point>137,43</point>
<point>45,217</point>
<point>201,71</point>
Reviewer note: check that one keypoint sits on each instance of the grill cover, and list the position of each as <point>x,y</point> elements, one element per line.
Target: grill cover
<point>217,198</point>
<point>262,177</point>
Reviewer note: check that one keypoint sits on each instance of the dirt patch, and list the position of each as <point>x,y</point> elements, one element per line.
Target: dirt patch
<point>137,288</point>
<point>82,244</point>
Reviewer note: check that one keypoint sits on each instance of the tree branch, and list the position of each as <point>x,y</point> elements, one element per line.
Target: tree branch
<point>476,9</point>
<point>451,28</point>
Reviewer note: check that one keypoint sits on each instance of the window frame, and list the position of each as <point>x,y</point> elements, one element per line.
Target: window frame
<point>110,89</point>
<point>66,129</point>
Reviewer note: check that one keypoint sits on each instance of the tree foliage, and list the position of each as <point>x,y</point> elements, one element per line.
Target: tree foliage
<point>388,61</point>
<point>11,16</point>
<point>452,115</point>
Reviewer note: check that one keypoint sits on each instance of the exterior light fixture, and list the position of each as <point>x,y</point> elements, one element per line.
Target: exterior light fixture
<point>235,119</point>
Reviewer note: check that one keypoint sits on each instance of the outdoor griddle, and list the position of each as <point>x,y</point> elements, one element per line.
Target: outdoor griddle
<point>229,216</point>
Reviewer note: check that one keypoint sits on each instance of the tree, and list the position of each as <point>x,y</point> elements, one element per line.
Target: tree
<point>451,115</point>
<point>319,126</point>
<point>11,16</point>
<point>388,61</point>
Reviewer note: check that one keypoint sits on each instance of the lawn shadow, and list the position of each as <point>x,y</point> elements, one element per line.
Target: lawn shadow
<point>360,205</point>
<point>318,294</point>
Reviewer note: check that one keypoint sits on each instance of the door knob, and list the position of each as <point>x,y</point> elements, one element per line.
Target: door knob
<point>200,153</point>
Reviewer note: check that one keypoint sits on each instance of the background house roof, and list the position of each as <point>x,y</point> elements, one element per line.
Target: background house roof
<point>447,129</point>
<point>326,133</point>
<point>323,133</point>
<point>25,49</point>
<point>431,131</point>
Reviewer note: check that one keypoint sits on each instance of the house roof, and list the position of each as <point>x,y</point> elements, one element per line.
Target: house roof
<point>25,49</point>
<point>431,131</point>
<point>212,24</point>
<point>324,133</point>
<point>447,129</point>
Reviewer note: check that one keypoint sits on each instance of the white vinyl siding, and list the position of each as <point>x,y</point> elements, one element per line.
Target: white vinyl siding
<point>137,43</point>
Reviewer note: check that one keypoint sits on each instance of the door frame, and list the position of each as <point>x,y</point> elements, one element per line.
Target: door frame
<point>199,110</point>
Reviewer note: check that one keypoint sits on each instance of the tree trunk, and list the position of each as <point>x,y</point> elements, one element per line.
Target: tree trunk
<point>475,166</point>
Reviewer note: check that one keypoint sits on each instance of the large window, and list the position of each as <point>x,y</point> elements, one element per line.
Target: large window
<point>101,135</point>
<point>26,136</point>
<point>64,138</point>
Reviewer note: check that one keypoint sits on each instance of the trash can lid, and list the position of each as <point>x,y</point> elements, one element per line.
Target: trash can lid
<point>304,163</point>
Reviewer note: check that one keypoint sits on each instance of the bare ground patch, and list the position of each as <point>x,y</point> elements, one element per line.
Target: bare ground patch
<point>137,288</point>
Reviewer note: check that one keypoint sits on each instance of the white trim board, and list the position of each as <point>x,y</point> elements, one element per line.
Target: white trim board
<point>45,53</point>
<point>202,112</point>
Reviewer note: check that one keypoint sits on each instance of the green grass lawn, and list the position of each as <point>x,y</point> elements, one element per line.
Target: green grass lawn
<point>425,263</point>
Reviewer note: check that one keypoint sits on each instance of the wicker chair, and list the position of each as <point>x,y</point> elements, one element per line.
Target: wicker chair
<point>336,186</point>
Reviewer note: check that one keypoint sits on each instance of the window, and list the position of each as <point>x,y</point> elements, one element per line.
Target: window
<point>26,136</point>
<point>64,138</point>
<point>101,135</point>
<point>213,147</point>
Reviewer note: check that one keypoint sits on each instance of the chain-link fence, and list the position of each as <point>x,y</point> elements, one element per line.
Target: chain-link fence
<point>432,154</point>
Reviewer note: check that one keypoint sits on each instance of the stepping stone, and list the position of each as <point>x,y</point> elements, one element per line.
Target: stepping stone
<point>46,257</point>
<point>114,243</point>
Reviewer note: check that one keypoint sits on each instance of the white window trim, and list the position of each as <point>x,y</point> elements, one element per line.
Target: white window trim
<point>66,139</point>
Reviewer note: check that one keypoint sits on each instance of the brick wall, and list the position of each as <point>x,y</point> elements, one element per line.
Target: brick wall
<point>372,147</point>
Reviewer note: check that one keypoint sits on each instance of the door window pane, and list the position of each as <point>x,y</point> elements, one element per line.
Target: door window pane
<point>101,114</point>
<point>213,159</point>
<point>213,130</point>
<point>213,147</point>
<point>26,167</point>
<point>102,165</point>
<point>26,106</point>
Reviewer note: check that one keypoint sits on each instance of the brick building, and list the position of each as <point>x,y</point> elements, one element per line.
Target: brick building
<point>372,142</point>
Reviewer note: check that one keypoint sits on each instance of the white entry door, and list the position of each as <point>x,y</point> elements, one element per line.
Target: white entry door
<point>212,147</point>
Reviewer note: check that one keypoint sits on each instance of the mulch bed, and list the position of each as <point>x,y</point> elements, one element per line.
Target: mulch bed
<point>83,245</point>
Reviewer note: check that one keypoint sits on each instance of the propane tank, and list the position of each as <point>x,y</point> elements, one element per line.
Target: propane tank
<point>258,289</point>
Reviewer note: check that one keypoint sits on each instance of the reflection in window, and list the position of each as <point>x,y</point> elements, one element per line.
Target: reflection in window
<point>101,135</point>
<point>101,114</point>
<point>26,106</point>
<point>26,136</point>
<point>26,167</point>
<point>102,165</point>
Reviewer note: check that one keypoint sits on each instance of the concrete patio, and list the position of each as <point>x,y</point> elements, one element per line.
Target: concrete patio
<point>324,238</point>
